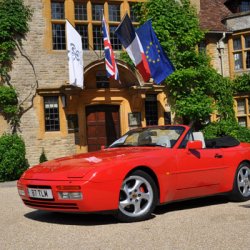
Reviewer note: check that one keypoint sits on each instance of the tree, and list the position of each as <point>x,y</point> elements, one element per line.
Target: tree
<point>196,89</point>
<point>43,157</point>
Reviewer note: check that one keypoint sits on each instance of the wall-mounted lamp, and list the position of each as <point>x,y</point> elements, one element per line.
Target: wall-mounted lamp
<point>64,101</point>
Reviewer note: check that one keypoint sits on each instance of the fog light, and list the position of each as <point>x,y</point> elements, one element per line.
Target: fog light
<point>70,195</point>
<point>21,192</point>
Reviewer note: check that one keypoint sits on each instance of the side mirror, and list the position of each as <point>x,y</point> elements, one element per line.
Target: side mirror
<point>103,147</point>
<point>194,145</point>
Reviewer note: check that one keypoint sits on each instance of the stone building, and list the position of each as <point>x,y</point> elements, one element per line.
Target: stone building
<point>62,119</point>
<point>227,41</point>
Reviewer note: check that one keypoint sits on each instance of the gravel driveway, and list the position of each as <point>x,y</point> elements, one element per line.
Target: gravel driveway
<point>211,223</point>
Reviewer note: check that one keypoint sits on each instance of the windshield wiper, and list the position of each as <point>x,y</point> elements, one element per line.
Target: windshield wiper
<point>151,145</point>
<point>147,145</point>
<point>121,145</point>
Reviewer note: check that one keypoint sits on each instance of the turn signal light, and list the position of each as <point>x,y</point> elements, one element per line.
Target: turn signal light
<point>68,188</point>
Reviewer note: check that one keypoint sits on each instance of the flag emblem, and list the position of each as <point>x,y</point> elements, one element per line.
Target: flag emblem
<point>131,42</point>
<point>111,66</point>
<point>75,56</point>
<point>159,63</point>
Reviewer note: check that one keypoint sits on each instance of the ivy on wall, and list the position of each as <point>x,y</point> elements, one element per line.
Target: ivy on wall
<point>9,104</point>
<point>241,84</point>
<point>14,18</point>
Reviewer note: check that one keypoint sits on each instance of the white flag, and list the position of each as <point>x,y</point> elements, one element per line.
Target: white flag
<point>75,56</point>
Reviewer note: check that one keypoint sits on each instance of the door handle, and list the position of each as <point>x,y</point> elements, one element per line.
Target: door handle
<point>218,156</point>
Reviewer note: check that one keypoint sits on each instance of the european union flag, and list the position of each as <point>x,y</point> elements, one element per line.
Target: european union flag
<point>159,63</point>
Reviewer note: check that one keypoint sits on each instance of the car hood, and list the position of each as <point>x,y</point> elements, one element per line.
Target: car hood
<point>77,166</point>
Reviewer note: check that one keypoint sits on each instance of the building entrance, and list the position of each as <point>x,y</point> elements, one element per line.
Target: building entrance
<point>103,125</point>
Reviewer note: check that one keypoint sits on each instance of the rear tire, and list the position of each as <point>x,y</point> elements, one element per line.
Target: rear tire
<point>241,188</point>
<point>138,197</point>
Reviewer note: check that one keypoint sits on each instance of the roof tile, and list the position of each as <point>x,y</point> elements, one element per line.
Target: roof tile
<point>211,14</point>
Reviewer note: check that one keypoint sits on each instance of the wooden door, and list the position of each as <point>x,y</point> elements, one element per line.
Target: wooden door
<point>103,125</point>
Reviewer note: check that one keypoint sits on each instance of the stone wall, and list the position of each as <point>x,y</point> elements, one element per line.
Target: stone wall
<point>220,62</point>
<point>44,69</point>
<point>48,69</point>
<point>196,3</point>
<point>238,22</point>
<point>4,127</point>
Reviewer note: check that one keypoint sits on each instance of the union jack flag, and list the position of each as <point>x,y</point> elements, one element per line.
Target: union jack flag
<point>111,67</point>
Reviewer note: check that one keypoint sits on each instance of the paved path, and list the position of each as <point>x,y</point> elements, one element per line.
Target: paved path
<point>211,223</point>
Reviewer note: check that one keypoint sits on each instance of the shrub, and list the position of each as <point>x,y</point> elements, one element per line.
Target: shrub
<point>227,127</point>
<point>12,157</point>
<point>43,157</point>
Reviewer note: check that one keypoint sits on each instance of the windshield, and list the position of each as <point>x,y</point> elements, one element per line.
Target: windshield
<point>152,136</point>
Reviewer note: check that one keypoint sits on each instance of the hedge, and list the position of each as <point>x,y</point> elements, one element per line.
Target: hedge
<point>12,157</point>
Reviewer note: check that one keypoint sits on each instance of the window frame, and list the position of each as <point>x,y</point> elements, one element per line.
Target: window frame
<point>151,109</point>
<point>85,40</point>
<point>242,51</point>
<point>116,13</point>
<point>56,115</point>
<point>58,22</point>
<point>89,22</point>
<point>102,81</point>
<point>246,114</point>
<point>84,3</point>
<point>244,6</point>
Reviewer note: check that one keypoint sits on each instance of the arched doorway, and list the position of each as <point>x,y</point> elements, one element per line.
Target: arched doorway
<point>103,125</point>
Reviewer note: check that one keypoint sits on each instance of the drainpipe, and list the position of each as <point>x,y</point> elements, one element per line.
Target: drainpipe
<point>221,47</point>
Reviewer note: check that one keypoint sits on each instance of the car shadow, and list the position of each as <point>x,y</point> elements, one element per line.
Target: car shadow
<point>191,204</point>
<point>108,219</point>
<point>245,206</point>
<point>79,219</point>
<point>71,218</point>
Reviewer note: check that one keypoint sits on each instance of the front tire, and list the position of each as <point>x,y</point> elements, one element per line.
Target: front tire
<point>138,197</point>
<point>241,188</point>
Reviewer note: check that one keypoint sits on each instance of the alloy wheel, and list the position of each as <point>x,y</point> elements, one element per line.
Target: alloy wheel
<point>243,181</point>
<point>136,196</point>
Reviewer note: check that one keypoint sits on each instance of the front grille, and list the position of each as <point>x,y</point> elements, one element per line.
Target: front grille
<point>42,187</point>
<point>54,205</point>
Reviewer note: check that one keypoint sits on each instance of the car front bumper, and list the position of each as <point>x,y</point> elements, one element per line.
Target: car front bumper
<point>95,196</point>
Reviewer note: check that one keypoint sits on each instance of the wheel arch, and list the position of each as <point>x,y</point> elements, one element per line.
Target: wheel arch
<point>236,195</point>
<point>244,161</point>
<point>150,172</point>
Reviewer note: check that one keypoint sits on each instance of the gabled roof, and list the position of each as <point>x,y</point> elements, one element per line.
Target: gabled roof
<point>211,14</point>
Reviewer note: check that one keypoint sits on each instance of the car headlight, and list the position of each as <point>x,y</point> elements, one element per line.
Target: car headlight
<point>21,192</point>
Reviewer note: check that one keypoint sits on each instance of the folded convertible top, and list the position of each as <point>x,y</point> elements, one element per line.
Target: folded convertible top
<point>222,142</point>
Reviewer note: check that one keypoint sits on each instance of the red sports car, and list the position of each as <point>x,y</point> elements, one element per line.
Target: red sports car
<point>144,168</point>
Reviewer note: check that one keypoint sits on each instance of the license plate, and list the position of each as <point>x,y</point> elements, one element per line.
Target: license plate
<point>40,193</point>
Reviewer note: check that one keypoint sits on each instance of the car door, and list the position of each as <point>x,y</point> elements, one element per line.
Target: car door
<point>199,172</point>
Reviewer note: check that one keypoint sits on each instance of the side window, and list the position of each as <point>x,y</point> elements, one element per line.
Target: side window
<point>188,137</point>
<point>58,25</point>
<point>51,113</point>
<point>151,110</point>
<point>101,80</point>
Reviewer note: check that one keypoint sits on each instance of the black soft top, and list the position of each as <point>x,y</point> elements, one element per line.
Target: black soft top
<point>222,142</point>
